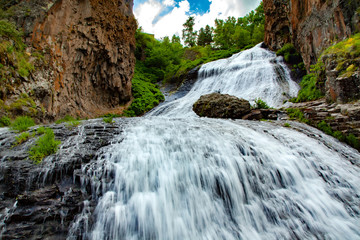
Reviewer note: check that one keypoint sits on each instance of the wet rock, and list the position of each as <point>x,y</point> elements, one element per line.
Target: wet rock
<point>51,195</point>
<point>216,105</point>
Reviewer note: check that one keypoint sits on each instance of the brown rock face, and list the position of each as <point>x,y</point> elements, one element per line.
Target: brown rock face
<point>311,25</point>
<point>89,49</point>
<point>216,105</point>
<point>92,44</point>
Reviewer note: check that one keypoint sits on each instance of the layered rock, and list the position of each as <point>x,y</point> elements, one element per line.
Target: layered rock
<point>311,25</point>
<point>216,105</point>
<point>54,199</point>
<point>88,47</point>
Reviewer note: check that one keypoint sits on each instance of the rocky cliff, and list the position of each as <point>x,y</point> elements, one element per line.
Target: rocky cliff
<point>311,25</point>
<point>88,54</point>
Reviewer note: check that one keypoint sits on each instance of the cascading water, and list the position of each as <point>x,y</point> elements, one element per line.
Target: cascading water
<point>174,176</point>
<point>251,74</point>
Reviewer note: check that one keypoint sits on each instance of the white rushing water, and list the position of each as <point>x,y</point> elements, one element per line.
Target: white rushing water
<point>180,177</point>
<point>251,74</point>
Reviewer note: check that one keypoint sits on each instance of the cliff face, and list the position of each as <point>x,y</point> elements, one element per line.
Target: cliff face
<point>89,54</point>
<point>311,25</point>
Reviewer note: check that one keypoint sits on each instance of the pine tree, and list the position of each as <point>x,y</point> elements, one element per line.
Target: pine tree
<point>188,33</point>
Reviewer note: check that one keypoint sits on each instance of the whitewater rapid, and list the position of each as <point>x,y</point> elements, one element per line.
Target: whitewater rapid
<point>174,176</point>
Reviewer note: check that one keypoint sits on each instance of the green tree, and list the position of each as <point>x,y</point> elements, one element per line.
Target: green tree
<point>205,36</point>
<point>175,39</point>
<point>188,34</point>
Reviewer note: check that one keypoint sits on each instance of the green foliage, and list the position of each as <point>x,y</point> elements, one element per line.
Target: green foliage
<point>349,139</point>
<point>40,130</point>
<point>353,141</point>
<point>205,36</point>
<point>108,119</point>
<point>297,114</point>
<point>287,125</point>
<point>5,121</point>
<point>290,54</point>
<point>66,119</point>
<point>309,90</point>
<point>260,104</point>
<point>146,95</point>
<point>22,123</point>
<point>44,146</point>
<point>238,33</point>
<point>323,126</point>
<point>23,137</point>
<point>8,31</point>
<point>188,34</point>
<point>69,121</point>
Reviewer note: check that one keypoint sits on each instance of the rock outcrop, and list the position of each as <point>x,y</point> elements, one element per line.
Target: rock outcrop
<point>216,105</point>
<point>54,199</point>
<point>311,25</point>
<point>88,48</point>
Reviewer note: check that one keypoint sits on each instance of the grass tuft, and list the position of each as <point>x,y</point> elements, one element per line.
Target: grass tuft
<point>44,146</point>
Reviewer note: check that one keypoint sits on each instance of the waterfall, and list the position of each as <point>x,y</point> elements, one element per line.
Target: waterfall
<point>174,176</point>
<point>251,74</point>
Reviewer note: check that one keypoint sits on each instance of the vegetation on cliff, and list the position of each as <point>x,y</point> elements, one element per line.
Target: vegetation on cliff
<point>345,55</point>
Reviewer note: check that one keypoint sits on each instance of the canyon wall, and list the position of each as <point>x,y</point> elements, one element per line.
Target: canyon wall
<point>88,48</point>
<point>311,25</point>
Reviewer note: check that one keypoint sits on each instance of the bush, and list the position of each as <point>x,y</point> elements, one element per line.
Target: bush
<point>44,146</point>
<point>40,130</point>
<point>287,125</point>
<point>69,121</point>
<point>260,104</point>
<point>353,141</point>
<point>309,90</point>
<point>146,95</point>
<point>23,137</point>
<point>22,123</point>
<point>108,119</point>
<point>297,114</point>
<point>323,126</point>
<point>5,121</point>
<point>290,54</point>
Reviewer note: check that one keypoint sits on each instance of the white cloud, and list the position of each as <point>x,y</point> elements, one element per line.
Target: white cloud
<point>169,3</point>
<point>150,17</point>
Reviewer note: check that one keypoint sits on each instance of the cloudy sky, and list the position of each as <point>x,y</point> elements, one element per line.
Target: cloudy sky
<point>166,17</point>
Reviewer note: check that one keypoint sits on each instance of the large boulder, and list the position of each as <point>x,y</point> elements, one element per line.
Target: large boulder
<point>216,105</point>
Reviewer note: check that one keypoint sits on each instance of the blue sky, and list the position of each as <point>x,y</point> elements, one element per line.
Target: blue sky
<point>166,17</point>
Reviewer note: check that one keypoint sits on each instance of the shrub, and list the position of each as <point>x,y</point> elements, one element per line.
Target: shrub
<point>22,123</point>
<point>260,104</point>
<point>287,125</point>
<point>44,146</point>
<point>323,126</point>
<point>297,114</point>
<point>5,121</point>
<point>69,121</point>
<point>23,137</point>
<point>108,119</point>
<point>353,141</point>
<point>309,90</point>
<point>40,130</point>
<point>147,96</point>
<point>290,54</point>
